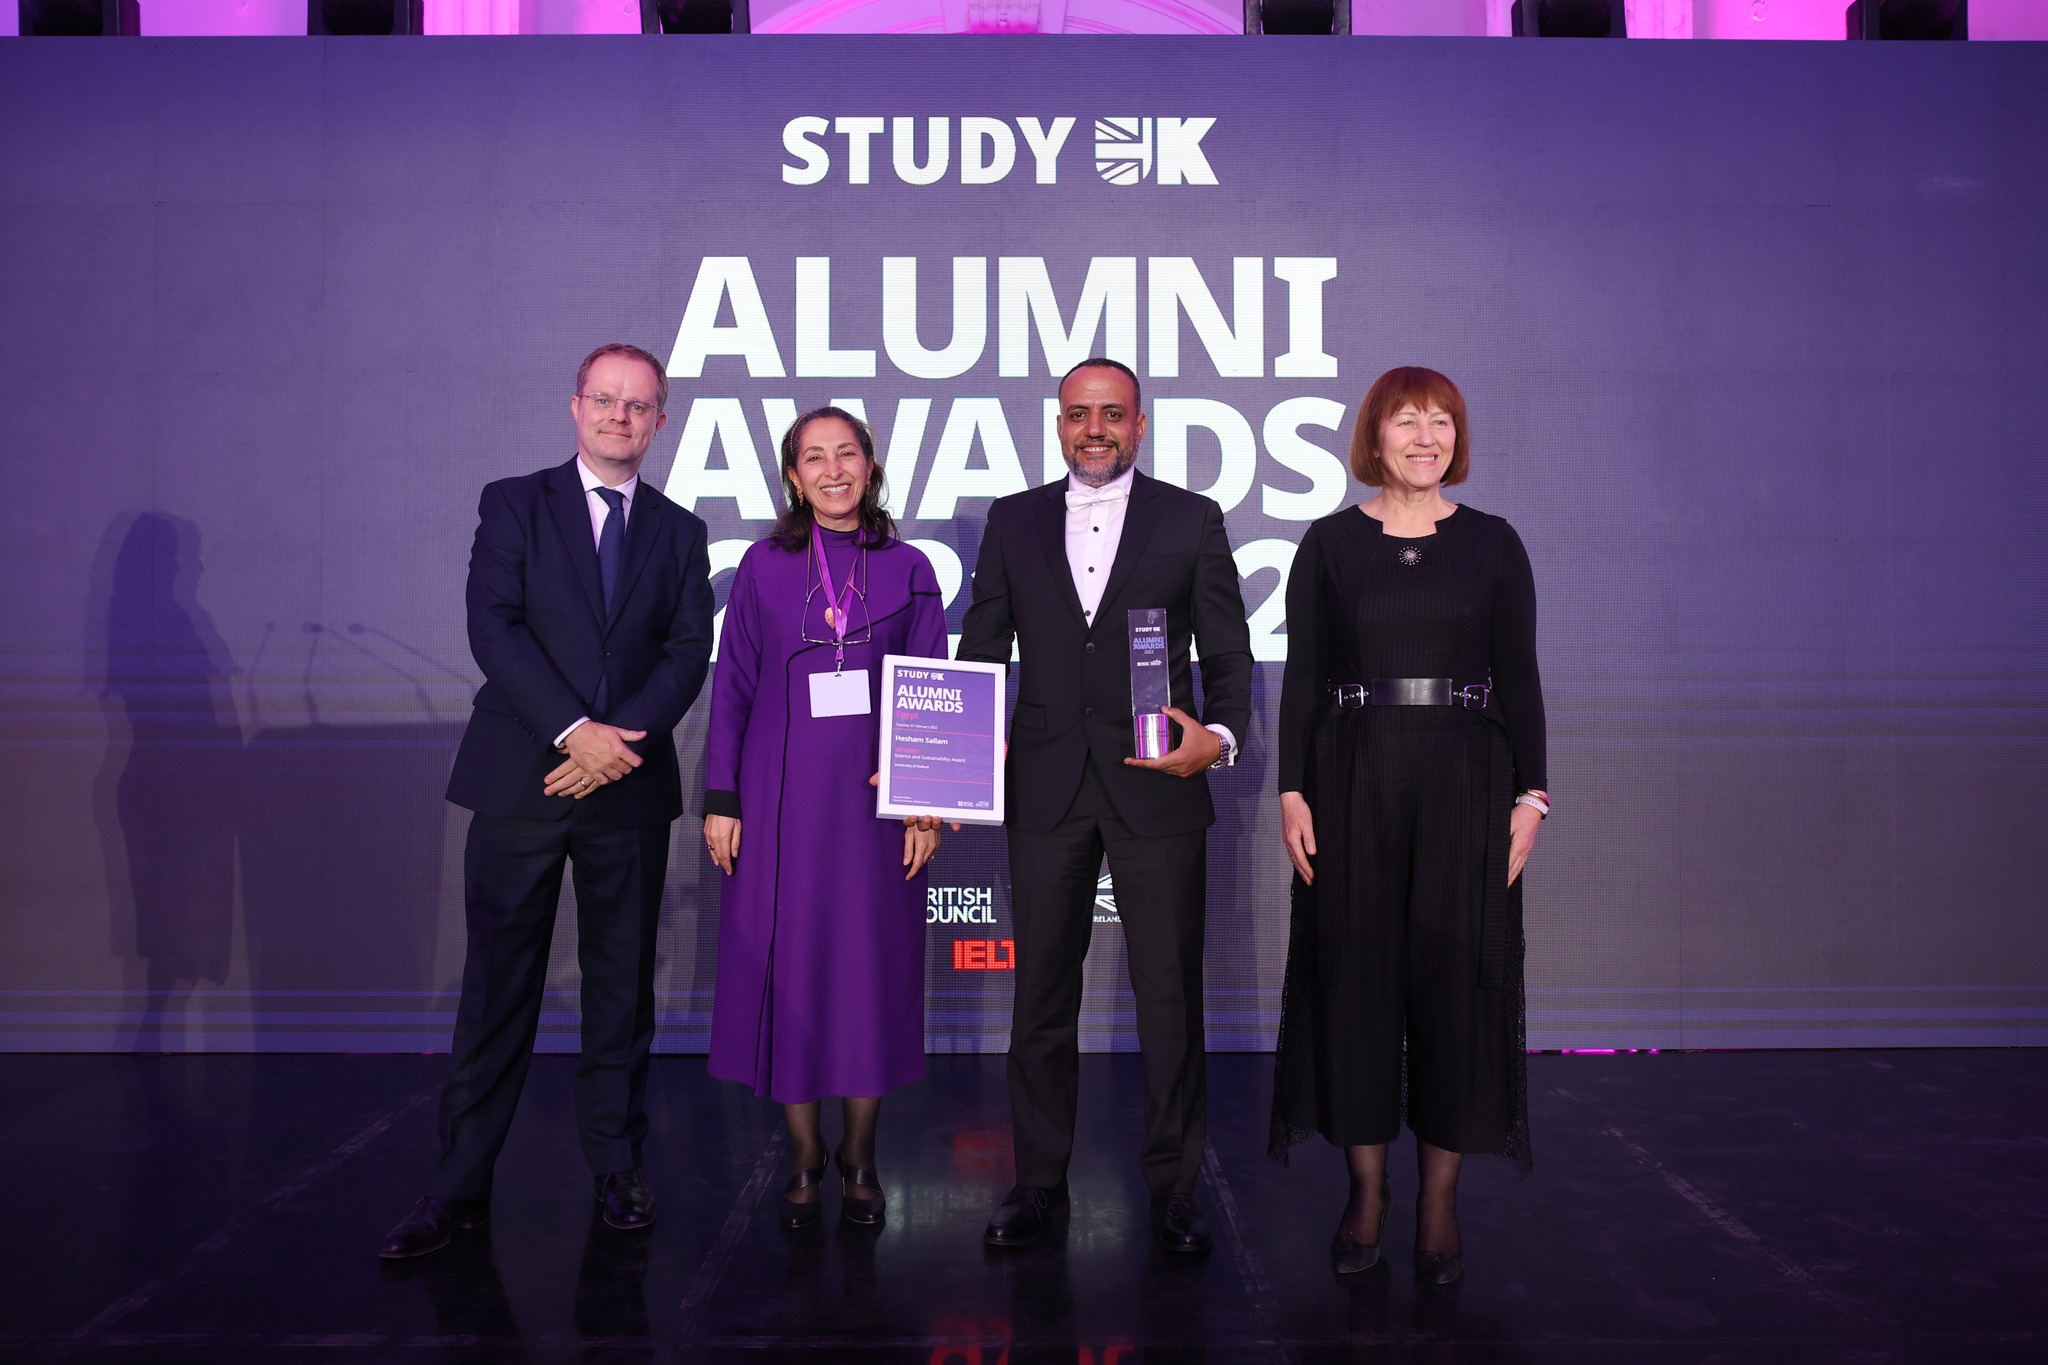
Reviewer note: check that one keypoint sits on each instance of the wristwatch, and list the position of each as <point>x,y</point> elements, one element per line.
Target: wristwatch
<point>1226,759</point>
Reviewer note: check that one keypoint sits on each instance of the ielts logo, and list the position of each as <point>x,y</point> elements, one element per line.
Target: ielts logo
<point>979,150</point>
<point>984,955</point>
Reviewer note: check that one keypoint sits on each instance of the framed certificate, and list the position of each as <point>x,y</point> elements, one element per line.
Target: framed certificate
<point>942,740</point>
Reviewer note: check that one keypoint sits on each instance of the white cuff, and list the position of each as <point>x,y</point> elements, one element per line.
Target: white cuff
<point>570,731</point>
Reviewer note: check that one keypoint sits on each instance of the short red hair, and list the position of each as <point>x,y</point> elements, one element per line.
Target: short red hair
<point>1396,389</point>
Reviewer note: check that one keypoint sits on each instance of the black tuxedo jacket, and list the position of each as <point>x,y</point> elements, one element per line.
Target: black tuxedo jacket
<point>539,631</point>
<point>1074,680</point>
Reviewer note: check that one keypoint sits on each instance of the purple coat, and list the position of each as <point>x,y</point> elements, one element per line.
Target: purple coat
<point>820,938</point>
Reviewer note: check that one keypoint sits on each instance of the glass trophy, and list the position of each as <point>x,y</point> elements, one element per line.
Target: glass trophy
<point>1151,682</point>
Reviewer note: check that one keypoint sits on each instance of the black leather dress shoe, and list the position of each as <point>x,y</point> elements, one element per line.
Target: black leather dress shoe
<point>1022,1214</point>
<point>628,1202</point>
<point>1179,1224</point>
<point>430,1224</point>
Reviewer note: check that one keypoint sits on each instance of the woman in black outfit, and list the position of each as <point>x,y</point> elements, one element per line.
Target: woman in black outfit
<point>1411,787</point>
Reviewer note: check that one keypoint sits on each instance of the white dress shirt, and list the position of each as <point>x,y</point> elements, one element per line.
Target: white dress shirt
<point>600,509</point>
<point>1095,527</point>
<point>1093,532</point>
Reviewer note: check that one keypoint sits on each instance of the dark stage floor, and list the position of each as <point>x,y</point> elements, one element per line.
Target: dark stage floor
<point>1823,1207</point>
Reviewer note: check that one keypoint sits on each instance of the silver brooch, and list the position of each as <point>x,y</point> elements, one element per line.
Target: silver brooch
<point>1411,556</point>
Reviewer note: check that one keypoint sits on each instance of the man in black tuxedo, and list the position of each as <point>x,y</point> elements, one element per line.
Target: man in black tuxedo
<point>590,615</point>
<point>1058,569</point>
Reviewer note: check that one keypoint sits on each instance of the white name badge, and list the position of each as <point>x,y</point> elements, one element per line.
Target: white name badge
<point>840,694</point>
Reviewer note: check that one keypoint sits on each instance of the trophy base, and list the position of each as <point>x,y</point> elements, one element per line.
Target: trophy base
<point>1149,735</point>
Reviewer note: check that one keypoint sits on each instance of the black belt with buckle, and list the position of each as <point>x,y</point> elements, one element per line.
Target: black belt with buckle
<point>1409,692</point>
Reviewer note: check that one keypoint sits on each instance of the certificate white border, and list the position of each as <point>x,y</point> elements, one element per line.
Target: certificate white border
<point>886,805</point>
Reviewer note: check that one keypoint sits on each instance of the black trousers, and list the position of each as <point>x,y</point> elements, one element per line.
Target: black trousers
<point>512,881</point>
<point>1403,826</point>
<point>1160,896</point>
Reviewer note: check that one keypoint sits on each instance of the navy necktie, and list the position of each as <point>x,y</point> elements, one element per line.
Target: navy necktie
<point>611,542</point>
<point>611,548</point>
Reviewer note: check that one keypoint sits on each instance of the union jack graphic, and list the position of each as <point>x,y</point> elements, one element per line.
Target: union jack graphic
<point>1123,149</point>
<point>1105,901</point>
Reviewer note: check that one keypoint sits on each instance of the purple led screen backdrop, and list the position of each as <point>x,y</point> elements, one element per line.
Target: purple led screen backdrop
<point>1753,337</point>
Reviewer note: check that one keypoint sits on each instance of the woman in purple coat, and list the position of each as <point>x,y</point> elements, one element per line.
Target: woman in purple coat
<point>821,921</point>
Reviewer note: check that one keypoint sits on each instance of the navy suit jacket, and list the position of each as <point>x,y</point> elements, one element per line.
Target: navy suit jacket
<point>1074,679</point>
<point>541,635</point>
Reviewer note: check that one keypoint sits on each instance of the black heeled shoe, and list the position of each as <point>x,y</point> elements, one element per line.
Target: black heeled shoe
<point>1436,1267</point>
<point>865,1211</point>
<point>798,1214</point>
<point>1439,1267</point>
<point>1348,1257</point>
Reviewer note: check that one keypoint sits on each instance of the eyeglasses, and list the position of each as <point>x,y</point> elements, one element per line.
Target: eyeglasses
<point>857,599</point>
<point>604,402</point>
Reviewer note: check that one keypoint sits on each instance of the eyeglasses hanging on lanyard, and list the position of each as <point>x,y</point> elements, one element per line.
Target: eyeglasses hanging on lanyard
<point>839,604</point>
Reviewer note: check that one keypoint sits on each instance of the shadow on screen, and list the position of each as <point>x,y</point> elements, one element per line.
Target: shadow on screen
<point>1243,884</point>
<point>164,799</point>
<point>343,831</point>
<point>686,951</point>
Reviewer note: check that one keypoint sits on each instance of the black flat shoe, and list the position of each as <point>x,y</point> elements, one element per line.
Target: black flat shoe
<point>1179,1223</point>
<point>628,1202</point>
<point>1439,1267</point>
<point>1023,1214</point>
<point>430,1225</point>
<point>865,1210</point>
<point>1350,1258</point>
<point>802,1213</point>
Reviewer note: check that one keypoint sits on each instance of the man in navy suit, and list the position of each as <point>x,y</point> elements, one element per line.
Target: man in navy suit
<point>590,608</point>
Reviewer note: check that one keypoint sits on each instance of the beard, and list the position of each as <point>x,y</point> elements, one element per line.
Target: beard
<point>1097,478</point>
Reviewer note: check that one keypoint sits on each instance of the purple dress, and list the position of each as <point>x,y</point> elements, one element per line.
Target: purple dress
<point>820,938</point>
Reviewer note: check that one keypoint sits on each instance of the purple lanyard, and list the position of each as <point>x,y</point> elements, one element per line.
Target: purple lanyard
<point>835,607</point>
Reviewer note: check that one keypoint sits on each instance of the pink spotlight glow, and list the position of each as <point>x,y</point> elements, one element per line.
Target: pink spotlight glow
<point>223,19</point>
<point>998,16</point>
